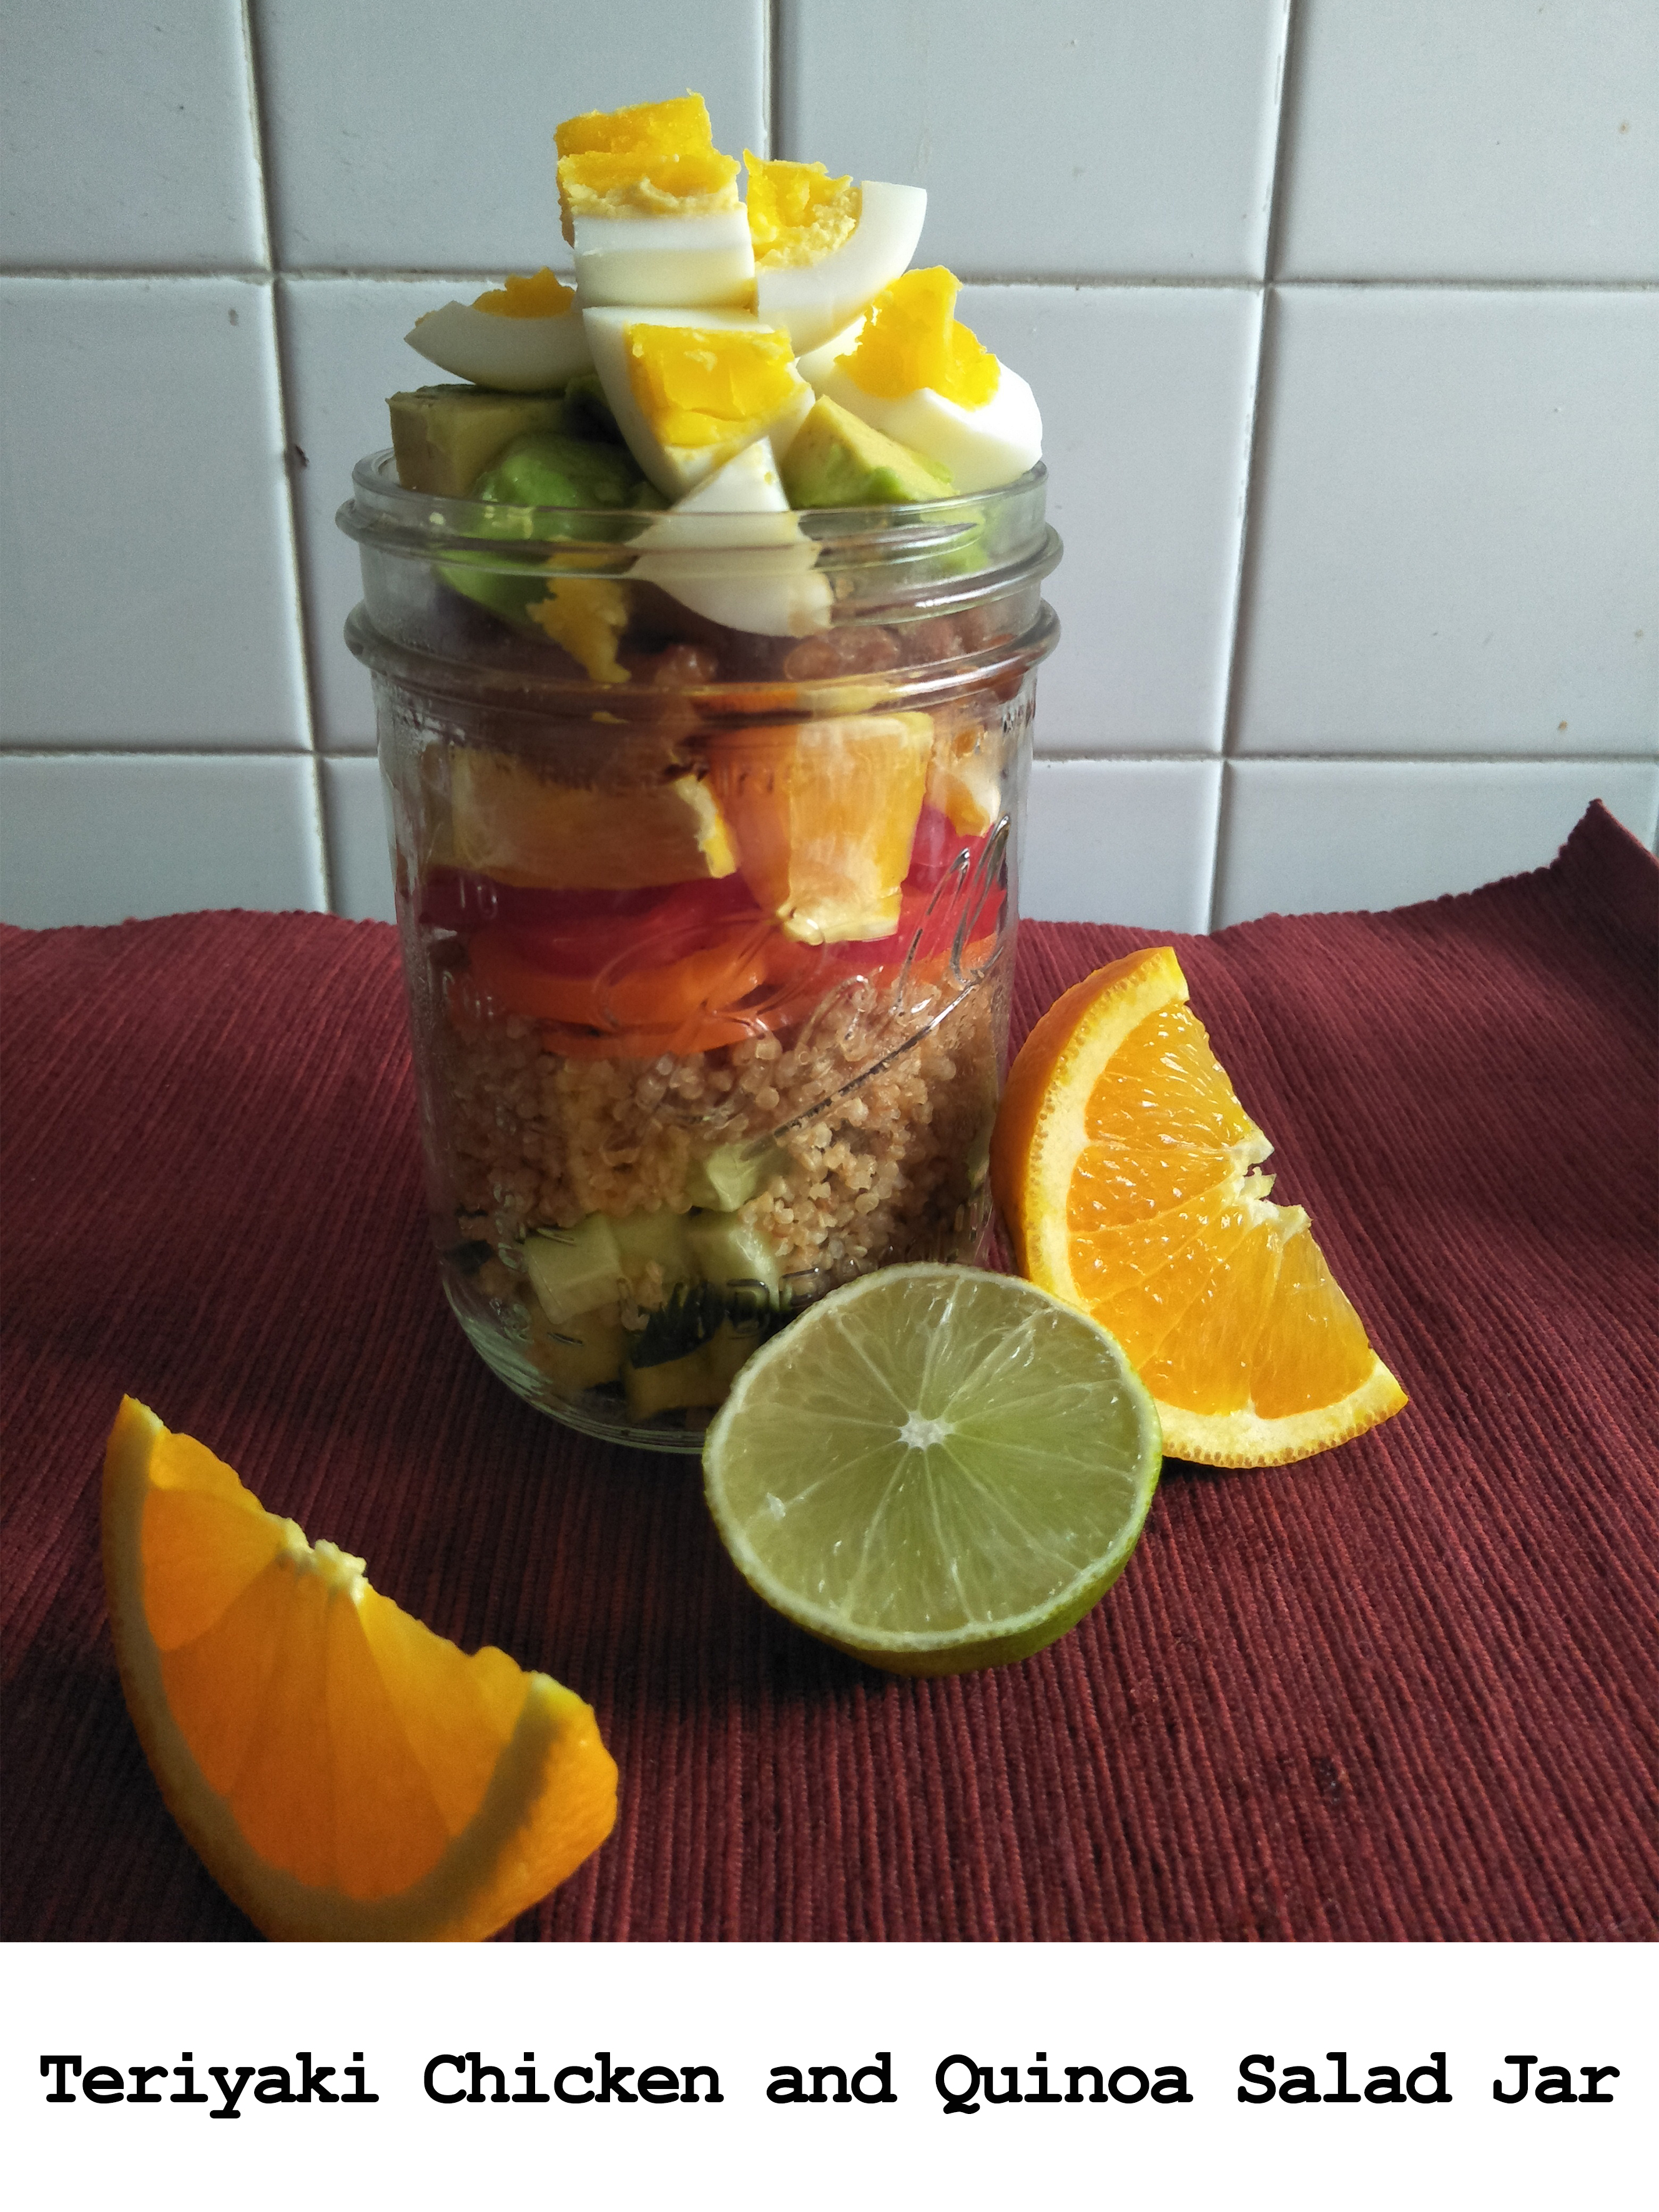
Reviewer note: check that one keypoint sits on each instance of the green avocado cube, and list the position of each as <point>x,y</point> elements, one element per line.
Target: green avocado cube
<point>836,460</point>
<point>445,436</point>
<point>545,468</point>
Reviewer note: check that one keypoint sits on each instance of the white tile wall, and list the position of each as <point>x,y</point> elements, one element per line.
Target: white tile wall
<point>127,137</point>
<point>147,584</point>
<point>1456,536</point>
<point>1145,394</point>
<point>1349,400</point>
<point>359,863</point>
<point>91,837</point>
<point>418,134</point>
<point>1474,138</point>
<point>343,347</point>
<point>1057,139</point>
<point>1369,834</point>
<point>1122,841</point>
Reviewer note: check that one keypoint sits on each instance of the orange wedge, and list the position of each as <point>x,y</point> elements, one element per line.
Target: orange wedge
<point>511,824</point>
<point>825,814</point>
<point>343,1773</point>
<point>1129,1175</point>
<point>964,780</point>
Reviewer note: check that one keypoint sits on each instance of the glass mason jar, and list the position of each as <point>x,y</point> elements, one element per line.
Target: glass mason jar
<point>704,835</point>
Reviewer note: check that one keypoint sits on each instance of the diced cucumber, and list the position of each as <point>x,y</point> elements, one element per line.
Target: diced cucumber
<point>692,1380</point>
<point>574,1270</point>
<point>659,1236</point>
<point>580,1354</point>
<point>729,1178</point>
<point>732,1254</point>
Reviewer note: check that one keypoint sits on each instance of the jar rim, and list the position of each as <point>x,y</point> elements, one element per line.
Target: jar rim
<point>386,513</point>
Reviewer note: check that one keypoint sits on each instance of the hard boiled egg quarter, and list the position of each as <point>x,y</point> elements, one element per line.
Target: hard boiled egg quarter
<point>909,369</point>
<point>528,337</point>
<point>732,550</point>
<point>664,260</point>
<point>813,273</point>
<point>691,386</point>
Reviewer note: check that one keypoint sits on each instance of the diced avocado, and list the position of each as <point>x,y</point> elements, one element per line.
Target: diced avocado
<point>732,1176</point>
<point>445,436</point>
<point>543,470</point>
<point>574,1270</point>
<point>580,1354</point>
<point>732,1254</point>
<point>546,468</point>
<point>660,1235</point>
<point>690,1380</point>
<point>836,460</point>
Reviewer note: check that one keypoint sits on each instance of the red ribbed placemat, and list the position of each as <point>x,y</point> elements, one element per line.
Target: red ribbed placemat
<point>1404,1690</point>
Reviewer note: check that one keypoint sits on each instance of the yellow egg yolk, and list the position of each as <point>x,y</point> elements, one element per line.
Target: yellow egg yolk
<point>656,158</point>
<point>797,212</point>
<point>911,338</point>
<point>704,387</point>
<point>586,615</point>
<point>528,298</point>
<point>655,126</point>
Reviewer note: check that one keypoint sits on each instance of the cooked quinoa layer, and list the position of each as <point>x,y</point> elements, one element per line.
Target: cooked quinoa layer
<point>881,1113</point>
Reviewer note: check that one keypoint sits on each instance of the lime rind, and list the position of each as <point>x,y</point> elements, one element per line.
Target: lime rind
<point>934,1469</point>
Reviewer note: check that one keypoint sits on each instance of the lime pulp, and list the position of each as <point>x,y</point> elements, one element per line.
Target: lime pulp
<point>934,1469</point>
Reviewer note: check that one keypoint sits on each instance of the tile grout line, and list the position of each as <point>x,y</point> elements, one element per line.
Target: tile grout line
<point>772,71</point>
<point>1053,280</point>
<point>1254,442</point>
<point>291,457</point>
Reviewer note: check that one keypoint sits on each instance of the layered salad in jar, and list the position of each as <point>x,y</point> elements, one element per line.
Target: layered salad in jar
<point>703,662</point>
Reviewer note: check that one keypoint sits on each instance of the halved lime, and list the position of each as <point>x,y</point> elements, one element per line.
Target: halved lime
<point>934,1469</point>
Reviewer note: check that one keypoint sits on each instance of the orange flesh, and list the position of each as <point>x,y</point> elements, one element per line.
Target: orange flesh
<point>256,1644</point>
<point>510,823</point>
<point>824,815</point>
<point>1171,1247</point>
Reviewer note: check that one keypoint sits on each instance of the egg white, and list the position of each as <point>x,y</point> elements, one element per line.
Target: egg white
<point>677,470</point>
<point>504,353</point>
<point>733,551</point>
<point>814,301</point>
<point>981,446</point>
<point>665,260</point>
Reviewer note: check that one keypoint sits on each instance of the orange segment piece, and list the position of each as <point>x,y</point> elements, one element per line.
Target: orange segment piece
<point>964,779</point>
<point>510,823</point>
<point>825,814</point>
<point>1129,1175</point>
<point>342,1772</point>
